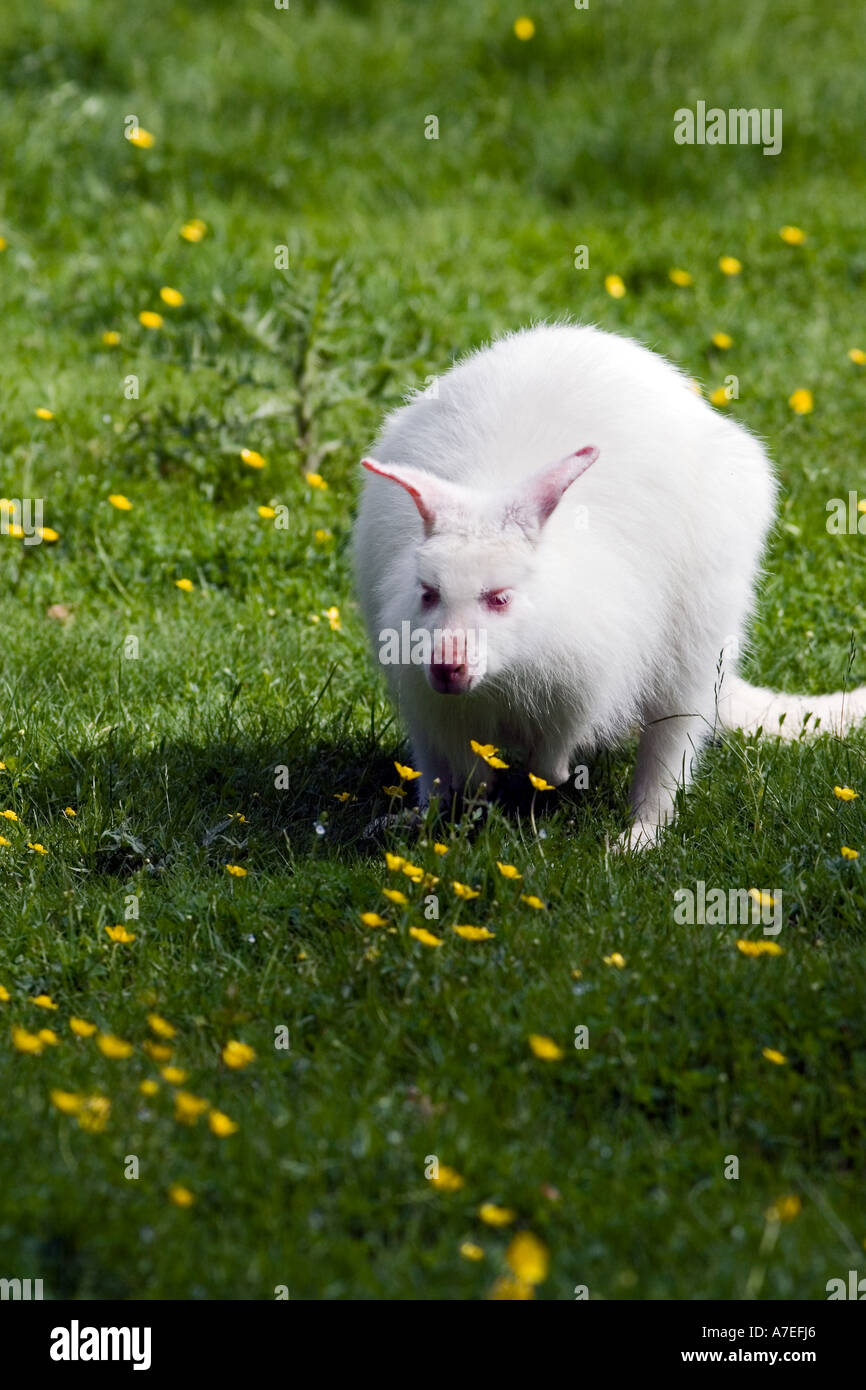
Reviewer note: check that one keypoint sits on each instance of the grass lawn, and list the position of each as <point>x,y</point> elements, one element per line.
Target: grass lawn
<point>192,728</point>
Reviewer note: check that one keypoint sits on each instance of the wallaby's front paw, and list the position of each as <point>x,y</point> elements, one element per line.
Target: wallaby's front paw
<point>639,837</point>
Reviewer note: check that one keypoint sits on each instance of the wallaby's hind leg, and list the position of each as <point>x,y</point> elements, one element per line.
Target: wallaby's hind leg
<point>666,755</point>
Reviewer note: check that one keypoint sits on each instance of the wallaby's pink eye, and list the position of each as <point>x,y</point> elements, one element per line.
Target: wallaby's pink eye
<point>497,600</point>
<point>429,595</point>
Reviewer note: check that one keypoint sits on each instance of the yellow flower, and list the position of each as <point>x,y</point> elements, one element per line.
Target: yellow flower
<point>4,841</point>
<point>3,243</point>
<point>161,1026</point>
<point>321,536</point>
<point>252,459</point>
<point>5,996</point>
<point>43,1000</point>
<point>180,1195</point>
<point>186,585</point>
<point>447,1179</point>
<point>81,1028</point>
<point>761,898</point>
<point>160,1052</point>
<point>47,533</point>
<point>532,901</point>
<point>47,1035</point>
<point>42,413</point>
<point>175,1076</point>
<point>484,750</point>
<point>720,396</point>
<point>8,815</point>
<point>463,891</point>
<point>141,138</point>
<point>511,1290</point>
<point>440,849</point>
<point>528,1258</point>
<point>849,853</point>
<point>841,793</point>
<point>122,503</point>
<point>172,297</point>
<point>857,356</point>
<point>524,29</point>
<point>393,791</point>
<point>539,783</point>
<point>333,616</point>
<point>94,1113</point>
<point>111,1046</point>
<point>729,265</point>
<point>723,341</point>
<point>680,277</point>
<point>494,1215</point>
<point>412,871</point>
<point>24,1041</point>
<point>111,337</point>
<point>373,919</point>
<point>120,933</point>
<point>395,896</point>
<point>36,847</point>
<point>784,1208</point>
<point>545,1048</point>
<point>474,933</point>
<point>772,1055</point>
<point>470,1251</point>
<point>267,512</point>
<point>495,762</point>
<point>794,236</point>
<point>148,319</point>
<point>615,959</point>
<point>67,1102</point>
<point>221,1124</point>
<point>802,401</point>
<point>193,230</point>
<point>188,1107</point>
<point>760,948</point>
<point>508,870</point>
<point>148,1088</point>
<point>408,774</point>
<point>615,286</point>
<point>394,861</point>
<point>425,937</point>
<point>316,480</point>
<point>237,1054</point>
<point>236,870</point>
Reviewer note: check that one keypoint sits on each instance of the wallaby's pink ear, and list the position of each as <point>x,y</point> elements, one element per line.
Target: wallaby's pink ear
<point>540,495</point>
<point>430,494</point>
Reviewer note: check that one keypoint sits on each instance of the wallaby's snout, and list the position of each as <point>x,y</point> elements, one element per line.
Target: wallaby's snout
<point>449,678</point>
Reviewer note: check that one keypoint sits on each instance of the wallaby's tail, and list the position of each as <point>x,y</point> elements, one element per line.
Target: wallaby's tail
<point>750,708</point>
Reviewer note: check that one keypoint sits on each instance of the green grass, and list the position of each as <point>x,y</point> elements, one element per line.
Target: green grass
<point>306,129</point>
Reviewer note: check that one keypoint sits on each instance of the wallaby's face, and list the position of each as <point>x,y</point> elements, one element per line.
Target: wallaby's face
<point>472,608</point>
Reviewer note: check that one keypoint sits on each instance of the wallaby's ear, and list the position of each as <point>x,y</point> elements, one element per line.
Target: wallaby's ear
<point>539,496</point>
<point>431,495</point>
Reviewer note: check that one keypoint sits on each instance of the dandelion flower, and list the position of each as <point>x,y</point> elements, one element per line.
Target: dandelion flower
<point>545,1048</point>
<point>528,1258</point>
<point>67,1102</point>
<point>81,1028</point>
<point>236,870</point>
<point>729,265</point>
<point>120,934</point>
<point>149,319</point>
<point>113,1047</point>
<point>122,503</point>
<point>193,230</point>
<point>494,1215</point>
<point>221,1125</point>
<point>474,933</point>
<point>237,1054</point>
<point>539,783</point>
<point>524,29</point>
<point>680,277</point>
<point>508,870</point>
<point>447,1179</point>
<point>615,286</point>
<point>772,1055</point>
<point>425,937</point>
<point>801,401</point>
<point>174,298</point>
<point>252,459</point>
<point>43,1000</point>
<point>841,793</point>
<point>532,901</point>
<point>794,236</point>
<point>723,341</point>
<point>180,1195</point>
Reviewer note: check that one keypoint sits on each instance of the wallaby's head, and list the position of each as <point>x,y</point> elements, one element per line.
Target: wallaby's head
<point>473,604</point>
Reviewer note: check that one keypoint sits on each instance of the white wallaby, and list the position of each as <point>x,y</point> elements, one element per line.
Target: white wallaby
<point>506,613</point>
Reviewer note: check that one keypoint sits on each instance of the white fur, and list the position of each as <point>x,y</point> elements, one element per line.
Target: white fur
<point>620,613</point>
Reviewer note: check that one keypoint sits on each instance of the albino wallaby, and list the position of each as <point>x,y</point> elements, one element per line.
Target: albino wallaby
<point>504,614</point>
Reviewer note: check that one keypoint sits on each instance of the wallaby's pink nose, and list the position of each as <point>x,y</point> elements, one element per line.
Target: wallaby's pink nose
<point>449,678</point>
